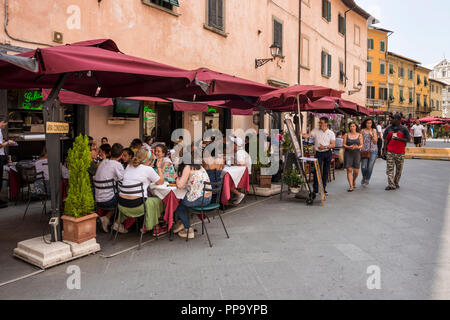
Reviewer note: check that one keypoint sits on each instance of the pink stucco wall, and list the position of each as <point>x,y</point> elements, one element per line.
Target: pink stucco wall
<point>182,40</point>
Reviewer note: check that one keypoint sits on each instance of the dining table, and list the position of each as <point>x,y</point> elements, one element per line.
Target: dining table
<point>234,177</point>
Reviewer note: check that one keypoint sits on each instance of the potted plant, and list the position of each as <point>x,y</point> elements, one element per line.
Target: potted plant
<point>293,180</point>
<point>79,221</point>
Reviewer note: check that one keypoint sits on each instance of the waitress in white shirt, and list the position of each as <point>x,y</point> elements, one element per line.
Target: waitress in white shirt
<point>324,143</point>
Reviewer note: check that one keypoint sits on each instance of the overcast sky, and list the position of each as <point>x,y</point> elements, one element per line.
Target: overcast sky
<point>421,28</point>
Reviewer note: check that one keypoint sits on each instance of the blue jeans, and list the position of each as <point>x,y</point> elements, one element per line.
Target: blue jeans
<point>367,165</point>
<point>185,204</point>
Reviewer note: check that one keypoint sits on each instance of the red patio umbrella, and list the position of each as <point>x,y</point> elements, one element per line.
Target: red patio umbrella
<point>288,95</point>
<point>93,68</point>
<point>428,119</point>
<point>71,97</point>
<point>436,122</point>
<point>363,110</point>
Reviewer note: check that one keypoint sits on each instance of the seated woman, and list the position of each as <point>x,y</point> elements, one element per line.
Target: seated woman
<point>191,176</point>
<point>41,166</point>
<point>139,171</point>
<point>127,156</point>
<point>163,162</point>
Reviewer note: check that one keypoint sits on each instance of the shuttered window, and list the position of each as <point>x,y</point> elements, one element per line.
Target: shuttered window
<point>168,4</point>
<point>326,10</point>
<point>370,44</point>
<point>382,46</point>
<point>341,26</point>
<point>369,66</point>
<point>215,14</point>
<point>341,72</point>
<point>382,68</point>
<point>326,64</point>
<point>370,92</point>
<point>278,34</point>
<point>382,93</point>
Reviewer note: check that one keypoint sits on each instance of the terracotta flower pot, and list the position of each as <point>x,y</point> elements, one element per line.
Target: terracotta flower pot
<point>265,181</point>
<point>80,229</point>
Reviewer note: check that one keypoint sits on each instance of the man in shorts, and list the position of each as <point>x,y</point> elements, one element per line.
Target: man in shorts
<point>419,133</point>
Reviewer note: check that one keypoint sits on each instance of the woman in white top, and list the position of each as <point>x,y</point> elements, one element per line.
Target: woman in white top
<point>191,176</point>
<point>138,171</point>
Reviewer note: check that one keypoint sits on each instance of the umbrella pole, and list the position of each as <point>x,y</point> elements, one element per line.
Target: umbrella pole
<point>300,124</point>
<point>51,112</point>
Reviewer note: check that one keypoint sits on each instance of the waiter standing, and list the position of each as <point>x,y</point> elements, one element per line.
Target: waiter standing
<point>3,157</point>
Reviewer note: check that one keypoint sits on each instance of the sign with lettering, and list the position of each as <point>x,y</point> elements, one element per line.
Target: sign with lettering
<point>32,100</point>
<point>57,127</point>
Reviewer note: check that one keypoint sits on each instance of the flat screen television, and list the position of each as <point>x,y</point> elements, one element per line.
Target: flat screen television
<point>125,108</point>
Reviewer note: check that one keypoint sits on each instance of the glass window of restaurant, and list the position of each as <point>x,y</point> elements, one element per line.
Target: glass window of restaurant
<point>160,120</point>
<point>26,124</point>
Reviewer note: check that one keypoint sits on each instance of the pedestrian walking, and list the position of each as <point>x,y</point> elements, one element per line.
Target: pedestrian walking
<point>353,143</point>
<point>380,127</point>
<point>419,133</point>
<point>369,151</point>
<point>446,128</point>
<point>396,137</point>
<point>324,142</point>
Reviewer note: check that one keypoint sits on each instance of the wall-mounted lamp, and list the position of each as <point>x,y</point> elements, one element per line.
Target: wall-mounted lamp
<point>275,51</point>
<point>350,92</point>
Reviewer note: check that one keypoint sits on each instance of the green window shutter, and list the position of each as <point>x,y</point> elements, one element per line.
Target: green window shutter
<point>369,66</point>
<point>329,65</point>
<point>382,46</point>
<point>323,63</point>
<point>219,14</point>
<point>382,68</point>
<point>329,11</point>
<point>324,8</point>
<point>172,2</point>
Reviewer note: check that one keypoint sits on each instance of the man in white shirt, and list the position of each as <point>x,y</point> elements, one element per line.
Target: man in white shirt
<point>419,133</point>
<point>107,170</point>
<point>3,157</point>
<point>324,142</point>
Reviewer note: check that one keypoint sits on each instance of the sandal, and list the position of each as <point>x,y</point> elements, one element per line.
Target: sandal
<point>350,190</point>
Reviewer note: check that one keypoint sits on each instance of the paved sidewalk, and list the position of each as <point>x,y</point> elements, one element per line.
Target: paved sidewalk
<point>287,250</point>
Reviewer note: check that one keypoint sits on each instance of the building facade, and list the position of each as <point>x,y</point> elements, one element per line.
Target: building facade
<point>436,100</point>
<point>223,35</point>
<point>401,84</point>
<point>423,107</point>
<point>377,75</point>
<point>441,72</point>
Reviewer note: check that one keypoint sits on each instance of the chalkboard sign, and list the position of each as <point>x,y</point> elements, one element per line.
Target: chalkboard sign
<point>296,144</point>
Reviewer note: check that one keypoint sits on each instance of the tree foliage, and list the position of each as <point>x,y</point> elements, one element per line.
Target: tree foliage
<point>79,201</point>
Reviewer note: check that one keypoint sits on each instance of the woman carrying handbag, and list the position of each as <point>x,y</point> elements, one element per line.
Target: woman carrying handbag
<point>369,152</point>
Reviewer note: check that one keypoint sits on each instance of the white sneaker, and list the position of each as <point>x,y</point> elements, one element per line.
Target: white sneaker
<point>239,199</point>
<point>105,223</point>
<point>121,228</point>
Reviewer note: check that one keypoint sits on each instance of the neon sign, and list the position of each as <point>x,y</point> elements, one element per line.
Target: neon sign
<point>148,109</point>
<point>30,98</point>
<point>212,110</point>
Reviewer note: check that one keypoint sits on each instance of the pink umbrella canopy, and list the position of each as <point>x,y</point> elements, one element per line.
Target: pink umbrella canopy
<point>288,96</point>
<point>436,122</point>
<point>363,110</point>
<point>94,68</point>
<point>428,119</point>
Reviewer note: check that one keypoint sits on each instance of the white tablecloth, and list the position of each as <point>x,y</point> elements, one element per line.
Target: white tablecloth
<point>161,191</point>
<point>236,173</point>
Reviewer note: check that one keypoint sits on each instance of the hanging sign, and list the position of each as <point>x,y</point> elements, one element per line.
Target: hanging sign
<point>57,127</point>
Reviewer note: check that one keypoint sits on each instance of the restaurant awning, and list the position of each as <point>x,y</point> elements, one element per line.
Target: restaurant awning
<point>70,97</point>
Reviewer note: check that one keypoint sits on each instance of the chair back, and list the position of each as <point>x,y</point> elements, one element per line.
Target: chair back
<point>105,185</point>
<point>27,174</point>
<point>215,188</point>
<point>132,189</point>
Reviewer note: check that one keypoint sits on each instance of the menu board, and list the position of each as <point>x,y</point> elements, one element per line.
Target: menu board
<point>295,143</point>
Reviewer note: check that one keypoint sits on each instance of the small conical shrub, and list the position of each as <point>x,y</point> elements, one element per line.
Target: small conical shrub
<point>79,201</point>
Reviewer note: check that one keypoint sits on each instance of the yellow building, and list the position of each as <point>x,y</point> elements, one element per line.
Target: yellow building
<point>436,97</point>
<point>423,107</point>
<point>377,77</point>
<point>401,84</point>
